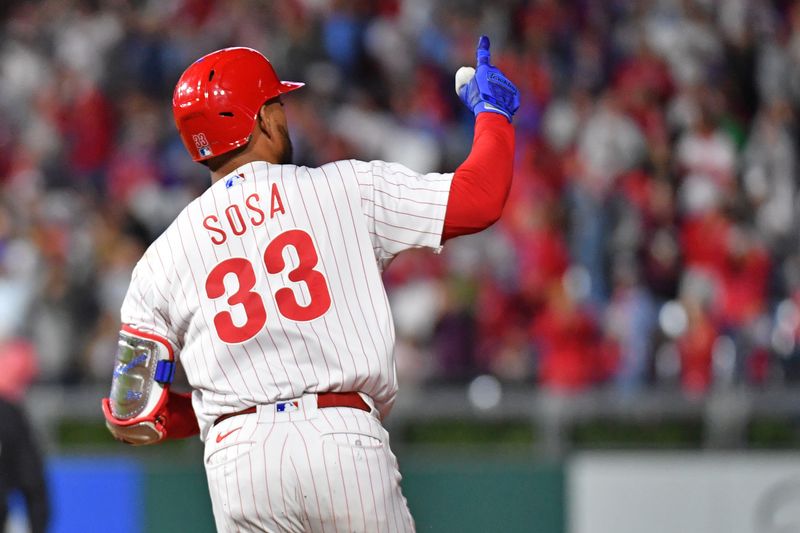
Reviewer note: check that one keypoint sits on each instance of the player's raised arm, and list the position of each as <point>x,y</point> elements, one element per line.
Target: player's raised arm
<point>481,184</point>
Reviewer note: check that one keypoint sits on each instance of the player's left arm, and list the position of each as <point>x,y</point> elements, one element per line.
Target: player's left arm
<point>141,408</point>
<point>481,184</point>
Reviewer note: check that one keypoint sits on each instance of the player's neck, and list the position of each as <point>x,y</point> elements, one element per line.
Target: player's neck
<point>220,169</point>
<point>233,164</point>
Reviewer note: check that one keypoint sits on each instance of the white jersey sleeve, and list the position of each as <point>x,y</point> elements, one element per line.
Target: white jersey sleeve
<point>404,209</point>
<point>146,304</point>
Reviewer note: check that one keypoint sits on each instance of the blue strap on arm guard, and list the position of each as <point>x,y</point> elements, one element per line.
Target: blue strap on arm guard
<point>165,372</point>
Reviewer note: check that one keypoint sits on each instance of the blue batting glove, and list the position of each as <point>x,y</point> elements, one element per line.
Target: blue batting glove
<point>485,88</point>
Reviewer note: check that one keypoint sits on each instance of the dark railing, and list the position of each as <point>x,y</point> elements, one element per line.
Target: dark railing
<point>527,419</point>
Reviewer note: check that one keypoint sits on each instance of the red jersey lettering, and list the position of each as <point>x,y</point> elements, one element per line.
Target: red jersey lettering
<point>220,236</point>
<point>236,221</point>
<point>276,204</point>
<point>252,205</point>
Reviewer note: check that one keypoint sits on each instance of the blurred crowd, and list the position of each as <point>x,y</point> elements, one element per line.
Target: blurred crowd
<point>650,238</point>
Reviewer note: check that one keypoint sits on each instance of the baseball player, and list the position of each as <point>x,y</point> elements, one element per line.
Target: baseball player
<point>267,288</point>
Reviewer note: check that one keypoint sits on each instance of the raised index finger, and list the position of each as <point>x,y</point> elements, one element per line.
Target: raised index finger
<point>482,52</point>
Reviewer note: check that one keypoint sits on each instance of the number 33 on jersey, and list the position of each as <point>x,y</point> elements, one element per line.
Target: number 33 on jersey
<point>251,303</point>
<point>285,298</point>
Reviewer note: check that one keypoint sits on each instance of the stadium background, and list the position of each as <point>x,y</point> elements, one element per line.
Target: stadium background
<point>620,349</point>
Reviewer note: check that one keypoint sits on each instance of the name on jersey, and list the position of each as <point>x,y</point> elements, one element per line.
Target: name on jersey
<point>238,219</point>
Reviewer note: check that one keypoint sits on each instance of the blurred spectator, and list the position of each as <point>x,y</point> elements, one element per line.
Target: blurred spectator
<point>571,351</point>
<point>454,339</point>
<point>630,321</point>
<point>707,160</point>
<point>655,169</point>
<point>610,144</point>
<point>768,173</point>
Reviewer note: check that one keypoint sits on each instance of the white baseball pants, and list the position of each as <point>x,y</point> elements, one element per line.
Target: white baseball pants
<point>291,467</point>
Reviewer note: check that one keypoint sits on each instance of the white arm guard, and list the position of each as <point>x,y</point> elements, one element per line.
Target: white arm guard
<point>144,368</point>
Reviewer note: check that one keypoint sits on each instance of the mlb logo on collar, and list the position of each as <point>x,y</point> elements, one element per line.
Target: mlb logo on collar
<point>234,180</point>
<point>287,407</point>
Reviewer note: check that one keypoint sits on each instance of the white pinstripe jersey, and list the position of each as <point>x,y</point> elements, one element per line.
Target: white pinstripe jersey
<point>268,285</point>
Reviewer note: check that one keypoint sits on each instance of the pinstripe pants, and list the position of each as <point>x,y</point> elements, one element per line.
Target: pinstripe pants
<point>304,470</point>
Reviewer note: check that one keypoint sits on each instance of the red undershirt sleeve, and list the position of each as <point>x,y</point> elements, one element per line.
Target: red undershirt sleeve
<point>481,184</point>
<point>181,421</point>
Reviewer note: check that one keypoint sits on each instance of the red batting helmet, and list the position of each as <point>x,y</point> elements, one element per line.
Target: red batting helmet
<point>217,99</point>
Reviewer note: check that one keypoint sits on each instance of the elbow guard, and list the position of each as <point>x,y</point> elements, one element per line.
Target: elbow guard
<point>143,371</point>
